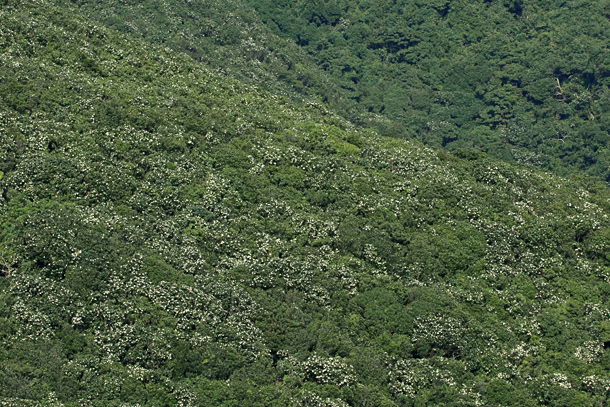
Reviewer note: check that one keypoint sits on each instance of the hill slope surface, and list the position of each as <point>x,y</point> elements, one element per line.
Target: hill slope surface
<point>170,236</point>
<point>521,81</point>
<point>524,83</point>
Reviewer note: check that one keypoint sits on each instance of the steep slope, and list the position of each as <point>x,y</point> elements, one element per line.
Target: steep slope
<point>226,36</point>
<point>170,236</point>
<point>521,81</point>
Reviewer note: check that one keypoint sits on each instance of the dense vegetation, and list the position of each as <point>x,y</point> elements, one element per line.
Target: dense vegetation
<point>170,236</point>
<point>521,81</point>
<point>226,36</point>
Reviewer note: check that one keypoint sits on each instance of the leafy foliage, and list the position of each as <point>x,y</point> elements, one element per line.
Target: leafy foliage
<point>170,236</point>
<point>521,81</point>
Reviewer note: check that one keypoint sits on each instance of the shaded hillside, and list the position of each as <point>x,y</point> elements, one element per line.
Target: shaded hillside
<point>521,81</point>
<point>172,237</point>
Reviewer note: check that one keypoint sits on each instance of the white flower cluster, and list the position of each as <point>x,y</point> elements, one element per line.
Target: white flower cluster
<point>409,377</point>
<point>439,331</point>
<point>589,351</point>
<point>311,399</point>
<point>319,369</point>
<point>596,384</point>
<point>328,370</point>
<point>40,305</point>
<point>561,380</point>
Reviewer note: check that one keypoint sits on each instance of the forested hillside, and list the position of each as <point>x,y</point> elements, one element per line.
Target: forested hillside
<point>225,36</point>
<point>173,236</point>
<point>524,81</point>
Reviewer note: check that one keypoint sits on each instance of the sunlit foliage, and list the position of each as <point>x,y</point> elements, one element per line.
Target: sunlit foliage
<point>172,237</point>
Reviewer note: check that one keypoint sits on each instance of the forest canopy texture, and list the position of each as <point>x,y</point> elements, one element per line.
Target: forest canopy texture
<point>232,203</point>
